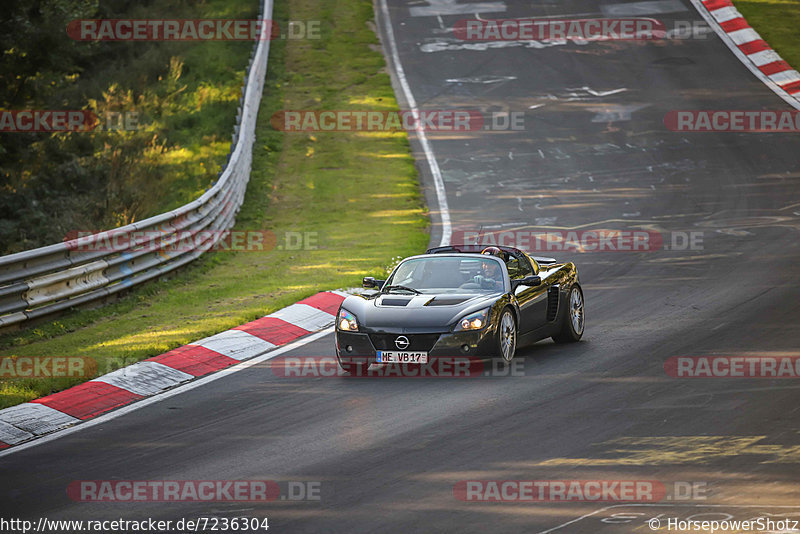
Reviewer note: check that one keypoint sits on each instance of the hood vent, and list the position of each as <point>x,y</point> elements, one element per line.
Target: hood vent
<point>385,301</point>
<point>445,301</point>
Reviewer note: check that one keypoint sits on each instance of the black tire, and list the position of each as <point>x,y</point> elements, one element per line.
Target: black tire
<point>574,321</point>
<point>506,336</point>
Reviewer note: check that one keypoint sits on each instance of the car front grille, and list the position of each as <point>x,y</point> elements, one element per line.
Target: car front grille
<point>417,342</point>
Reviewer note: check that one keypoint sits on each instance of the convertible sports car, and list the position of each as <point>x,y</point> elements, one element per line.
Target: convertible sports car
<point>455,301</point>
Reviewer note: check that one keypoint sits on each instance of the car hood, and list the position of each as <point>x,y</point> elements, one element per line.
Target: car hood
<point>398,312</point>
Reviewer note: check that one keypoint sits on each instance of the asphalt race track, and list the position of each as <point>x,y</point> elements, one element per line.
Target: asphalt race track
<point>594,153</point>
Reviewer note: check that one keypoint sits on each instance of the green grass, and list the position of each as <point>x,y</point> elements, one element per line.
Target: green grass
<point>195,116</point>
<point>777,21</point>
<point>185,95</point>
<point>357,191</point>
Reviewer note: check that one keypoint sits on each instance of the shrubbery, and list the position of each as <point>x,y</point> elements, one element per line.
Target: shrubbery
<point>183,96</point>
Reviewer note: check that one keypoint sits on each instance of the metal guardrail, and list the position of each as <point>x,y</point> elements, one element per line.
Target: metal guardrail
<point>45,280</point>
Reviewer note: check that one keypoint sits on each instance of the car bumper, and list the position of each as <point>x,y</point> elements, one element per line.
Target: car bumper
<point>358,347</point>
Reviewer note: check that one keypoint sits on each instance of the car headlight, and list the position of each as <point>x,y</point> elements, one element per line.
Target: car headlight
<point>473,321</point>
<point>346,321</point>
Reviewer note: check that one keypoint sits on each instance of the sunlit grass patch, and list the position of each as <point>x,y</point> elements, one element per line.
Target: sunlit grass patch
<point>777,21</point>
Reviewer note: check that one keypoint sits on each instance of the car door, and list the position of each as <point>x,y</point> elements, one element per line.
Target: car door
<point>532,299</point>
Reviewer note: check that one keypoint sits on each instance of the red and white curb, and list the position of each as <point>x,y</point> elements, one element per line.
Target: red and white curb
<point>751,49</point>
<point>45,415</point>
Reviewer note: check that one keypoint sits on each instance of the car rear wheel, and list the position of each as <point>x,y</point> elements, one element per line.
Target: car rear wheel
<point>507,336</point>
<point>573,322</point>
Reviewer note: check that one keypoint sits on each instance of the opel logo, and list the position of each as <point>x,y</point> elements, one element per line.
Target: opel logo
<point>401,342</point>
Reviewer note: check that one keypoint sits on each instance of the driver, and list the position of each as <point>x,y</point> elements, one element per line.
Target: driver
<point>492,277</point>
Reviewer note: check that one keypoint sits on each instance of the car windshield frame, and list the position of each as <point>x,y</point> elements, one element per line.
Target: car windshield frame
<point>392,282</point>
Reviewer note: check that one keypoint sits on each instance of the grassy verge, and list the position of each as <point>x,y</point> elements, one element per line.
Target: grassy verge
<point>777,22</point>
<point>355,193</point>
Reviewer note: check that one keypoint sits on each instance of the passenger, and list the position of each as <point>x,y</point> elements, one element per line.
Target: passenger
<point>492,273</point>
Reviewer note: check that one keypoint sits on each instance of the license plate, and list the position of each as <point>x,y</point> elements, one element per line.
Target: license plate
<point>398,356</point>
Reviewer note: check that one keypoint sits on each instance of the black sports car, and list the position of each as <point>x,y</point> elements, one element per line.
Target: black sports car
<point>460,301</point>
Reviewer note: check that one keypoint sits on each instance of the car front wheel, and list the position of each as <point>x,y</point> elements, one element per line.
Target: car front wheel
<point>507,336</point>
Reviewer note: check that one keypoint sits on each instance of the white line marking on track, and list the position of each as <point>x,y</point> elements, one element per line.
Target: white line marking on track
<point>593,14</point>
<point>482,79</point>
<point>451,45</point>
<point>593,92</point>
<point>438,181</point>
<point>664,506</point>
<point>166,395</point>
<point>649,7</point>
<point>450,7</point>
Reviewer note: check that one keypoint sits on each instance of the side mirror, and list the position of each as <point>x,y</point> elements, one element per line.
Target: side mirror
<point>369,281</point>
<point>531,281</point>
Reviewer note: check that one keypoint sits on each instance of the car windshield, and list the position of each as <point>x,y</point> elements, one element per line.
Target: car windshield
<point>436,274</point>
